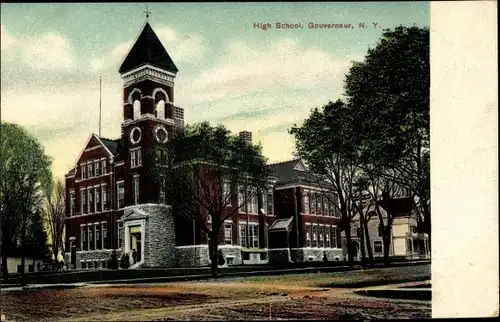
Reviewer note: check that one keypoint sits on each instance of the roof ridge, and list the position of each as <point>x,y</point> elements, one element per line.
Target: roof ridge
<point>283,162</point>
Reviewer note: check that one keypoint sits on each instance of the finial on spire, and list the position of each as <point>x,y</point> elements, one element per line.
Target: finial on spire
<point>147,12</point>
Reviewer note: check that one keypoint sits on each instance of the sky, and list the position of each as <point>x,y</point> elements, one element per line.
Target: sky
<point>230,72</point>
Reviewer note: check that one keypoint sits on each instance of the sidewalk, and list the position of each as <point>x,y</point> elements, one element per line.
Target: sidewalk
<point>193,277</point>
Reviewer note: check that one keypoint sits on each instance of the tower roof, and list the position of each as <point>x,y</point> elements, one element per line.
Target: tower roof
<point>148,50</point>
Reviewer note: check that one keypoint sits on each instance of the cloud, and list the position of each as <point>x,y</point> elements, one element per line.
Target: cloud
<point>286,64</point>
<point>6,39</point>
<point>48,52</point>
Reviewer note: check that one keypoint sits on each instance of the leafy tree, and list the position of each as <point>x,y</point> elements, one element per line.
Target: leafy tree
<point>389,93</point>
<point>206,166</point>
<point>326,141</point>
<point>26,176</point>
<point>55,217</point>
<point>36,237</point>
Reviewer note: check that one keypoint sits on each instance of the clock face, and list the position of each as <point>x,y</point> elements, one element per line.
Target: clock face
<point>161,134</point>
<point>135,135</point>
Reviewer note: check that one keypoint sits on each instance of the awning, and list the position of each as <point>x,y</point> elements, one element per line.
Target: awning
<point>281,224</point>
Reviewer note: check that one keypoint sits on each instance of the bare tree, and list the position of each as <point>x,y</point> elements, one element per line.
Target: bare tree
<point>55,217</point>
<point>208,166</point>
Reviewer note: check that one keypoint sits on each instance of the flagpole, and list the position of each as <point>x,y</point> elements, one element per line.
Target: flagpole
<point>100,91</point>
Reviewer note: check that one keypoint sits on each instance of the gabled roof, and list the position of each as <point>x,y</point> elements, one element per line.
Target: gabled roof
<point>281,224</point>
<point>293,171</point>
<point>148,49</point>
<point>112,145</point>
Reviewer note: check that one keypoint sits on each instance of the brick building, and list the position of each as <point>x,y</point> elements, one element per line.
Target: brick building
<point>307,224</point>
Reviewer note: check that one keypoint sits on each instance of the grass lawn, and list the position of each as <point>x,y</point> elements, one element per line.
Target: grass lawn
<point>297,296</point>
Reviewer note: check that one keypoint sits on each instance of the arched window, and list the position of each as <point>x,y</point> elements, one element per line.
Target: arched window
<point>160,110</point>
<point>137,109</point>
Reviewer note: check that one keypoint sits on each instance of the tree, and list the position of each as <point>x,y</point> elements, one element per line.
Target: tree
<point>25,177</point>
<point>327,142</point>
<point>36,240</point>
<point>389,92</point>
<point>55,217</point>
<point>206,167</point>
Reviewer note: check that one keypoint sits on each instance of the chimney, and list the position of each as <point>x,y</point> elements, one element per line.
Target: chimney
<point>245,135</point>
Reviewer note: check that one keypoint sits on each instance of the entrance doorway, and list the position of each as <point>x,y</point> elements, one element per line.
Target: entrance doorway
<point>73,254</point>
<point>135,244</point>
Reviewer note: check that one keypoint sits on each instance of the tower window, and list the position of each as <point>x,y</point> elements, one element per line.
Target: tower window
<point>137,109</point>
<point>160,110</point>
<point>120,191</point>
<point>135,187</point>
<point>135,158</point>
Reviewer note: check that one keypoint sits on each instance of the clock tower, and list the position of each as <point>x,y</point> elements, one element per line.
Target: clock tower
<point>149,114</point>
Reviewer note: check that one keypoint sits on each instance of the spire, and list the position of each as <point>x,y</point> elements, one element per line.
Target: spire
<point>148,49</point>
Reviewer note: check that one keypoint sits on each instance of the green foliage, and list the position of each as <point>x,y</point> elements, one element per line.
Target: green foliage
<point>377,141</point>
<point>26,179</point>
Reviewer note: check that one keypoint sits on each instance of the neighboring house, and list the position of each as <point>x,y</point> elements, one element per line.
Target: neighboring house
<point>307,224</point>
<point>406,241</point>
<point>31,265</point>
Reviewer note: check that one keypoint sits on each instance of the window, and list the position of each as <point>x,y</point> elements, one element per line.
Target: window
<point>327,237</point>
<point>135,158</point>
<point>83,239</point>
<point>225,193</point>
<point>252,200</point>
<point>97,192</point>
<point>321,233</point>
<point>135,189</point>
<point>254,236</point>
<point>325,206</point>
<point>270,201</point>
<point>98,239</point>
<point>103,263</point>
<point>120,234</point>
<point>377,246</point>
<point>313,204</point>
<point>380,230</point>
<point>104,194</point>
<point>103,166</point>
<point>314,235</point>
<point>228,234</point>
<point>72,205</point>
<point>333,233</point>
<point>83,171</point>
<point>91,236</point>
<point>97,167</point>
<point>83,201</point>
<point>120,191</point>
<point>84,265</point>
<point>308,236</point>
<point>305,201</point>
<point>90,172</point>
<point>243,236</point>
<point>91,199</point>
<point>319,205</point>
<point>104,235</point>
<point>241,198</point>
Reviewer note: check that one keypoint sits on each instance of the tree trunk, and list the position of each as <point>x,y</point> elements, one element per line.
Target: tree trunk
<point>350,255</point>
<point>5,270</point>
<point>386,239</point>
<point>214,243</point>
<point>368,243</point>
<point>362,242</point>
